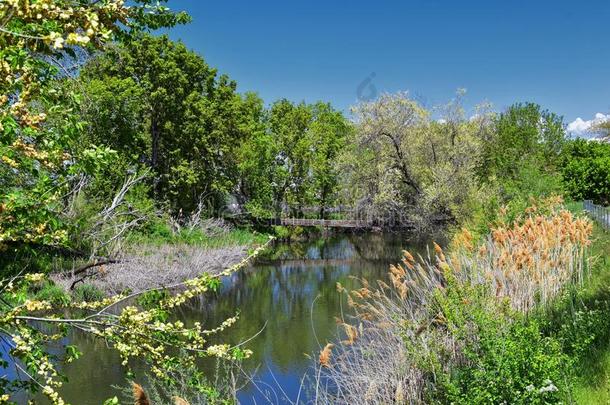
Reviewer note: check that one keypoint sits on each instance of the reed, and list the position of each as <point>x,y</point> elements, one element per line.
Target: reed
<point>403,337</point>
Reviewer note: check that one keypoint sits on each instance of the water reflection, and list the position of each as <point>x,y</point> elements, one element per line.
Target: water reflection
<point>291,290</point>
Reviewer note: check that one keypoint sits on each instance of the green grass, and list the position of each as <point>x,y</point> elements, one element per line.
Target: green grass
<point>160,234</point>
<point>592,385</point>
<point>575,206</point>
<point>592,380</point>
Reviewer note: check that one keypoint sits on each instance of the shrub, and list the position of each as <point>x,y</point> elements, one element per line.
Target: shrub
<point>87,293</point>
<point>586,171</point>
<point>508,363</point>
<point>53,294</point>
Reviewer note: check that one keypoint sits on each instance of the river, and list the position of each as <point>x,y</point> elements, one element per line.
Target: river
<point>288,295</point>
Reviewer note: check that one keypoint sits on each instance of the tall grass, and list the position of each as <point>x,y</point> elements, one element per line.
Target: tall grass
<point>212,233</point>
<point>527,263</point>
<point>408,338</point>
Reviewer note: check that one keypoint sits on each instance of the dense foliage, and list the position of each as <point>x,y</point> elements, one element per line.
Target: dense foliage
<point>401,165</point>
<point>160,105</point>
<point>38,155</point>
<point>586,171</point>
<point>291,165</point>
<point>43,159</point>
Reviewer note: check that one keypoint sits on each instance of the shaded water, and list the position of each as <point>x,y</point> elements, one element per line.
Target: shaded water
<point>291,289</point>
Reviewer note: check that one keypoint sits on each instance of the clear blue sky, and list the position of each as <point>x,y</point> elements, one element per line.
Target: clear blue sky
<point>555,53</point>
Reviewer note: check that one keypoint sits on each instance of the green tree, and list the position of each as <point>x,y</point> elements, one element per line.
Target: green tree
<point>586,170</point>
<point>289,126</point>
<point>526,144</point>
<point>328,131</point>
<point>403,166</point>
<point>184,120</point>
<point>289,159</point>
<point>41,156</point>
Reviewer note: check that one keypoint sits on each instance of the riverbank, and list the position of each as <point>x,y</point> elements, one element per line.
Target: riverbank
<point>592,383</point>
<point>519,316</point>
<point>162,258</point>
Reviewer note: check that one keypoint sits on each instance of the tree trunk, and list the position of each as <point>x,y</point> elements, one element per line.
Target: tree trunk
<point>154,134</point>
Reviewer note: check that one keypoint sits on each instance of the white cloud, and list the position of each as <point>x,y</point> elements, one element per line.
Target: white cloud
<point>582,128</point>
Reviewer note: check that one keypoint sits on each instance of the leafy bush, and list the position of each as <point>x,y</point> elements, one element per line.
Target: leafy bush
<point>586,171</point>
<point>87,293</point>
<point>508,362</point>
<point>53,294</point>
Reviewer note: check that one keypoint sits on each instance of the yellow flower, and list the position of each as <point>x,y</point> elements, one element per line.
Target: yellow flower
<point>10,161</point>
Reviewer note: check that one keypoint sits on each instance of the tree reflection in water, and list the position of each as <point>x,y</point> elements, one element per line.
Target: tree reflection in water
<point>277,291</point>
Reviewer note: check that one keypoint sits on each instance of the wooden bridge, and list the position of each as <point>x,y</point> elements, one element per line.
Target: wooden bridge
<point>324,223</point>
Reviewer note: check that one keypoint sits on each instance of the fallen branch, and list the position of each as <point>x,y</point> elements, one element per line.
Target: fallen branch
<point>90,266</point>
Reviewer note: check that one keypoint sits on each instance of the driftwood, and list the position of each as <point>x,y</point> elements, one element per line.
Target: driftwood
<point>88,266</point>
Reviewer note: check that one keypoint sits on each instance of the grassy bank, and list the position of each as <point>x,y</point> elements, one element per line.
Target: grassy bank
<point>592,382</point>
<point>215,234</point>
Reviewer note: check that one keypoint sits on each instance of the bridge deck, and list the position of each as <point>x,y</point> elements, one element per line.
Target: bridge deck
<point>326,223</point>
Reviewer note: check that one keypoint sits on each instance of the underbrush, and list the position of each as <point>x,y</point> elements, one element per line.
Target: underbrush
<point>212,234</point>
<point>504,320</point>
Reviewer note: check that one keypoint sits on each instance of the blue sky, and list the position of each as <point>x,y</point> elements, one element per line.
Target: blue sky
<point>555,53</point>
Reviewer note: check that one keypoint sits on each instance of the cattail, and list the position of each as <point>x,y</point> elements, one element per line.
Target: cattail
<point>365,292</point>
<point>398,271</point>
<point>352,334</point>
<point>439,252</point>
<point>408,256</point>
<point>357,294</point>
<point>325,355</point>
<point>139,395</point>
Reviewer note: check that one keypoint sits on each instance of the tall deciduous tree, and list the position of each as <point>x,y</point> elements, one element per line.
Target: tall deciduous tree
<point>523,135</point>
<point>290,161</point>
<point>403,165</point>
<point>522,153</point>
<point>329,131</point>
<point>184,120</point>
<point>37,155</point>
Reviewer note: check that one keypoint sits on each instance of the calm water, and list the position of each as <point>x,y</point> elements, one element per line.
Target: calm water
<point>291,289</point>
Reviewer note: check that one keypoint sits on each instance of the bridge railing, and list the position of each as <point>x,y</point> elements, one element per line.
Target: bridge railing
<point>598,213</point>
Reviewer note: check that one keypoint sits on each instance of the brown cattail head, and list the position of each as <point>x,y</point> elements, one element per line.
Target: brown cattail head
<point>325,355</point>
<point>352,334</point>
<point>139,396</point>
